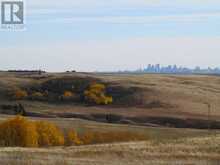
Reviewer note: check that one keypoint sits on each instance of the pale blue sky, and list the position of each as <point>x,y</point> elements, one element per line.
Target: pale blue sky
<point>91,35</point>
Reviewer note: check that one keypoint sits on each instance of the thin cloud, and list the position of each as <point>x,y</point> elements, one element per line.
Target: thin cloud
<point>125,3</point>
<point>186,18</point>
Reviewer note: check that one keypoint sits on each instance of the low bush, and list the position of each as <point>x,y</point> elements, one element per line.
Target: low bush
<point>96,94</point>
<point>49,134</point>
<point>18,132</point>
<point>72,138</point>
<point>24,133</point>
<point>37,96</point>
<point>67,94</point>
<point>20,94</point>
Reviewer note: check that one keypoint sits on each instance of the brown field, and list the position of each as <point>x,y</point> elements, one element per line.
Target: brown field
<point>196,151</point>
<point>168,101</point>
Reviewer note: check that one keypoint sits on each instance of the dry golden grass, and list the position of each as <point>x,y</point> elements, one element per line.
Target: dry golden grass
<point>201,151</point>
<point>164,146</point>
<point>186,94</point>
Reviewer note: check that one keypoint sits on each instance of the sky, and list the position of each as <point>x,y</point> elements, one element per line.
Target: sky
<point>112,35</point>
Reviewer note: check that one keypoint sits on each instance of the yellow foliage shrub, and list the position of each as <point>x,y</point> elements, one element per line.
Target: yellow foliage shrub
<point>72,138</point>
<point>96,94</point>
<point>20,94</point>
<point>37,94</point>
<point>18,132</point>
<point>24,133</point>
<point>98,87</point>
<point>49,134</point>
<point>67,94</point>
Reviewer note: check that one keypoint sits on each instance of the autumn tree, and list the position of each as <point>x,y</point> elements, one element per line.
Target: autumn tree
<point>72,138</point>
<point>49,134</point>
<point>97,94</point>
<point>18,132</point>
<point>25,133</point>
<point>20,94</point>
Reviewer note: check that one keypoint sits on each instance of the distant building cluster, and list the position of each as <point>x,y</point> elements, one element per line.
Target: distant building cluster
<point>178,70</point>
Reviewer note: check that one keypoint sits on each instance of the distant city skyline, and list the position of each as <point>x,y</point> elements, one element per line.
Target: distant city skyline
<point>150,68</point>
<point>157,68</point>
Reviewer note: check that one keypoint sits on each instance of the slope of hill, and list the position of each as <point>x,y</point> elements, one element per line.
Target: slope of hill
<point>168,100</point>
<point>156,102</point>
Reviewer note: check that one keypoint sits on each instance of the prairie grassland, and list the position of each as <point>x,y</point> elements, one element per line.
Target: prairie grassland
<point>171,100</point>
<point>201,151</point>
<point>163,146</point>
<point>187,96</point>
<point>153,133</point>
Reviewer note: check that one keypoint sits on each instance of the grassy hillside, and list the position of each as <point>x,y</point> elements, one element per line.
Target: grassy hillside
<point>150,105</point>
<point>145,99</point>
